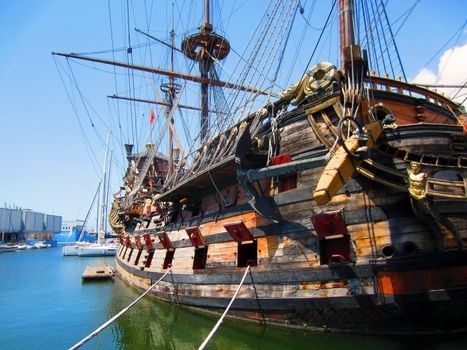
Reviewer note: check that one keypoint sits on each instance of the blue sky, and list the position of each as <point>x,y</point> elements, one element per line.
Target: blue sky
<point>45,165</point>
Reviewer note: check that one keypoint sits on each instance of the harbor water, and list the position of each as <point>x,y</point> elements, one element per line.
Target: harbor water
<point>45,305</point>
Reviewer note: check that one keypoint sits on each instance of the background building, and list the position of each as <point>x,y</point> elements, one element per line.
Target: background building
<point>25,224</point>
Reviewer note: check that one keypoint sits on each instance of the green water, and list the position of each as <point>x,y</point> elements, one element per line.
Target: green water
<point>44,305</point>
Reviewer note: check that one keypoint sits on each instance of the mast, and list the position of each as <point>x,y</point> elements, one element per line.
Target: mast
<point>205,64</point>
<point>353,63</point>
<point>107,193</point>
<point>171,89</point>
<point>101,226</point>
<point>350,51</point>
<point>171,101</point>
<point>96,195</point>
<point>205,47</point>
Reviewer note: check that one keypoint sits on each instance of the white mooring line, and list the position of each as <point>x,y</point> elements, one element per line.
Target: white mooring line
<point>105,325</point>
<point>206,341</point>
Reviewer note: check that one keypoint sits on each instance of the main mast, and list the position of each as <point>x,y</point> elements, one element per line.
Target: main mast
<point>205,47</point>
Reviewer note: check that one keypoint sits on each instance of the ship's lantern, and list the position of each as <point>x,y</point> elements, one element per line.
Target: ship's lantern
<point>138,242</point>
<point>238,231</point>
<point>165,241</point>
<point>195,236</point>
<point>148,241</point>
<point>329,224</point>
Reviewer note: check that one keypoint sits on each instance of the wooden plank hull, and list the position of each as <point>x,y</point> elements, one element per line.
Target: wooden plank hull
<point>364,298</point>
<point>366,259</point>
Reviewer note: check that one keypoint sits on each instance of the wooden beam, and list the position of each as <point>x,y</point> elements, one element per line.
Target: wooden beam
<point>184,76</point>
<point>159,103</point>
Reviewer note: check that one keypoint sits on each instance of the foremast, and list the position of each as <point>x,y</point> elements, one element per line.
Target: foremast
<point>353,63</point>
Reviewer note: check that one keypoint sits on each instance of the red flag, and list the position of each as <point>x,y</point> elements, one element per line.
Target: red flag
<point>152,117</point>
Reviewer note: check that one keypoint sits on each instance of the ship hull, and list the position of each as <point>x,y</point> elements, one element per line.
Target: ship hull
<point>334,240</point>
<point>340,298</point>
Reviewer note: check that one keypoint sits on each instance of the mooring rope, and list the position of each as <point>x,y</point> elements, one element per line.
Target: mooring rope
<point>206,341</point>
<point>105,325</point>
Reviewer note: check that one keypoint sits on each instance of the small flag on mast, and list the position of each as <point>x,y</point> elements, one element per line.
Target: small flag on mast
<point>152,117</point>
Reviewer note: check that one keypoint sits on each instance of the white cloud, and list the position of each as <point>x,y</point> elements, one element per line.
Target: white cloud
<point>452,70</point>
<point>425,76</point>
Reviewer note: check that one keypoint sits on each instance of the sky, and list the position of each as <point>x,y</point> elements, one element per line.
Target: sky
<point>46,164</point>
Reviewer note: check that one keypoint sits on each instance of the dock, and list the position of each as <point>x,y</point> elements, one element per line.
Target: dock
<point>98,272</point>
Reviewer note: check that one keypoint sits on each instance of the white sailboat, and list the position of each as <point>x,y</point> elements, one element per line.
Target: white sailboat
<point>101,247</point>
<point>72,250</point>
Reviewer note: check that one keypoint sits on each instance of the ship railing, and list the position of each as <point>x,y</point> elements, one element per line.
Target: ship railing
<point>447,189</point>
<point>403,88</point>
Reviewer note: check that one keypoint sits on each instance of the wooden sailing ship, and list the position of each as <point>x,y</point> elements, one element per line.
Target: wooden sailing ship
<point>347,197</point>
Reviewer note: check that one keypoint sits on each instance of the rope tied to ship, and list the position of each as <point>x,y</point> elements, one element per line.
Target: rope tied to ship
<point>109,322</point>
<point>208,338</point>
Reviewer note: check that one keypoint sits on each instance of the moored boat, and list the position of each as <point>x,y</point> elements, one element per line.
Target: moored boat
<point>5,248</point>
<point>346,198</point>
<point>96,249</point>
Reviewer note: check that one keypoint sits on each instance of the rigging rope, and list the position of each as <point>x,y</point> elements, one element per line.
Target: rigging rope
<point>208,338</point>
<point>89,149</point>
<point>378,38</point>
<point>320,36</point>
<point>393,40</point>
<point>302,38</point>
<point>386,47</point>
<point>407,15</point>
<point>115,78</point>
<point>109,322</point>
<point>262,56</point>
<point>440,73</point>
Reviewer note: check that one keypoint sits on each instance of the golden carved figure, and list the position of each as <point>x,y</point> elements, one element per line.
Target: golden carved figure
<point>417,181</point>
<point>424,208</point>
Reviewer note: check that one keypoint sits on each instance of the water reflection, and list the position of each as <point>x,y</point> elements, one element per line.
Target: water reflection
<point>44,305</point>
<point>153,324</point>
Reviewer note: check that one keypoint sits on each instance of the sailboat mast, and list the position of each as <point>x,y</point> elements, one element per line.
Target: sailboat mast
<point>101,226</point>
<point>106,209</point>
